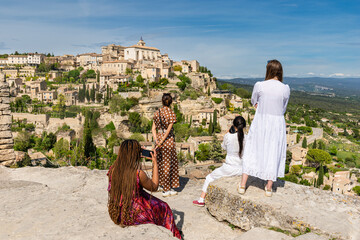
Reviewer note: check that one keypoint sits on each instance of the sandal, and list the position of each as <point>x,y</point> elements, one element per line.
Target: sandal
<point>241,189</point>
<point>268,192</point>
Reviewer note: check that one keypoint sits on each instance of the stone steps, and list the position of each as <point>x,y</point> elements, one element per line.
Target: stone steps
<point>293,208</point>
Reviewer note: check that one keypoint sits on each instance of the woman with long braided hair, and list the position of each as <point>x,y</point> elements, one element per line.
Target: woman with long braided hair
<point>128,202</point>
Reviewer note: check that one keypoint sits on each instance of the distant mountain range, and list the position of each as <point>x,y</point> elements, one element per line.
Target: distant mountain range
<point>342,87</point>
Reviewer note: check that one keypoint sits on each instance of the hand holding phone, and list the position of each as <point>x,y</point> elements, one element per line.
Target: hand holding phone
<point>146,153</point>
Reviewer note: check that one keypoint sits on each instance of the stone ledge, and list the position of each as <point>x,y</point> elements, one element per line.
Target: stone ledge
<point>292,207</point>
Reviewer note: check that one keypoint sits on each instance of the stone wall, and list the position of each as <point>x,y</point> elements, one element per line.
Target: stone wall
<point>7,155</point>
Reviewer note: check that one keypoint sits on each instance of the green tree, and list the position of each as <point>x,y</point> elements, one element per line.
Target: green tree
<point>128,71</point>
<point>321,145</point>
<point>60,107</point>
<point>92,94</point>
<point>135,122</point>
<point>87,94</point>
<point>89,147</point>
<point>215,118</point>
<point>23,141</point>
<point>317,157</point>
<point>314,146</point>
<point>298,138</point>
<point>177,68</point>
<point>140,79</point>
<point>288,157</point>
<point>99,97</point>
<point>61,148</point>
<point>320,180</point>
<point>304,143</point>
<point>211,127</point>
<point>333,150</point>
<point>249,120</point>
<point>203,153</point>
<point>216,152</point>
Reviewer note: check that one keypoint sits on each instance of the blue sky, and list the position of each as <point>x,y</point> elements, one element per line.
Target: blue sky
<point>232,38</point>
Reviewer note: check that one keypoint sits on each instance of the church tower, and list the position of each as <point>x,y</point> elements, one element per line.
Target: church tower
<point>141,42</point>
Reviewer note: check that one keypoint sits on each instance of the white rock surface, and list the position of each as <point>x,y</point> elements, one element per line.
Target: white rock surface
<point>291,207</point>
<point>71,203</point>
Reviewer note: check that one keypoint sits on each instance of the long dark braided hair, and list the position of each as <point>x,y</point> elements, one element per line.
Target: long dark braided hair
<point>240,123</point>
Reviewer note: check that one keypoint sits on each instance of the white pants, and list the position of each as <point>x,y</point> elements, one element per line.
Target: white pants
<point>226,170</point>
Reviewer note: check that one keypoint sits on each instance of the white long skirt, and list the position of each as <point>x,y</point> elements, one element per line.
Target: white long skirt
<point>265,150</point>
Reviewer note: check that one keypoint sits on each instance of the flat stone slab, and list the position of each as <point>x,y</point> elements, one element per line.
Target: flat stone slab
<point>261,233</point>
<point>294,208</point>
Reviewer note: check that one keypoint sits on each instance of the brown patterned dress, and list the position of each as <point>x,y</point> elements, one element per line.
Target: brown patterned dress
<point>167,158</point>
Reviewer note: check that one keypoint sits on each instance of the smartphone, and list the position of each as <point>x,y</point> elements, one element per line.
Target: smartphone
<point>146,153</point>
<point>232,130</point>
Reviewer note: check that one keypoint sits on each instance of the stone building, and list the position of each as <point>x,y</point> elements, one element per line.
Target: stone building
<point>141,52</point>
<point>298,156</point>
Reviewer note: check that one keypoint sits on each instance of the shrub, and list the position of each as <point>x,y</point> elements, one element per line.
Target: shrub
<point>217,100</point>
<point>291,178</point>
<point>326,187</point>
<point>286,168</point>
<point>110,126</point>
<point>357,190</point>
<point>26,161</point>
<point>138,137</point>
<point>305,182</point>
<point>296,169</point>
<point>177,68</point>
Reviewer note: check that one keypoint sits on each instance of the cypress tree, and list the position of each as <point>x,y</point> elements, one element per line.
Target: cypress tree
<point>87,94</point>
<point>249,121</point>
<point>321,176</point>
<point>89,147</point>
<point>298,138</point>
<point>190,121</point>
<point>314,144</point>
<point>209,92</point>
<point>215,118</point>
<point>92,94</point>
<point>304,143</point>
<point>314,182</point>
<point>211,128</point>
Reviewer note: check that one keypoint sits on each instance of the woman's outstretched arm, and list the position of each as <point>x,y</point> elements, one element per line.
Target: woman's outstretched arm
<point>150,184</point>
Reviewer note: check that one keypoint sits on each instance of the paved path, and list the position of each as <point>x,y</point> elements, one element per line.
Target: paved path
<point>317,134</point>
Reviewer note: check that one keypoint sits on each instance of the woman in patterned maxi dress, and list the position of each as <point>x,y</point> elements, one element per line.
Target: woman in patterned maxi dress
<point>164,137</point>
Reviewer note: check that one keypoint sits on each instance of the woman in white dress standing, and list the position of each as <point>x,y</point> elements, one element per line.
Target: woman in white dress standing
<point>265,151</point>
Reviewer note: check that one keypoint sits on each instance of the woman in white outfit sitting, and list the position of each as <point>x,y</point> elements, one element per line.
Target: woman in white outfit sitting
<point>265,151</point>
<point>234,142</point>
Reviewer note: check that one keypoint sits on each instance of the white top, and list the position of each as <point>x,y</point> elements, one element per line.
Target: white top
<point>231,145</point>
<point>272,97</point>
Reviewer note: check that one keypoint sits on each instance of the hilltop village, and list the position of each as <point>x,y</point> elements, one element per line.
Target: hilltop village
<point>76,110</point>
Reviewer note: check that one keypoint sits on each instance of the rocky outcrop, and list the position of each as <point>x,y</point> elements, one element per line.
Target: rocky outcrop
<point>7,155</point>
<point>293,208</point>
<point>71,203</point>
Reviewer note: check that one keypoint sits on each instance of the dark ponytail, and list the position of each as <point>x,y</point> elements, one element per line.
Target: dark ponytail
<point>240,123</point>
